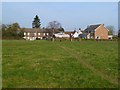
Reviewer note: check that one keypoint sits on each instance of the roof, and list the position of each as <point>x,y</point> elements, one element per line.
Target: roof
<point>83,35</point>
<point>69,32</point>
<point>91,28</point>
<point>32,30</point>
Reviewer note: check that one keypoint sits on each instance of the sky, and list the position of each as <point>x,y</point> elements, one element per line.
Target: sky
<point>70,14</point>
<point>119,16</point>
<point>60,0</point>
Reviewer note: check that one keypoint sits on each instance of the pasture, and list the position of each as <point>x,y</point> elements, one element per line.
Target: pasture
<point>46,64</point>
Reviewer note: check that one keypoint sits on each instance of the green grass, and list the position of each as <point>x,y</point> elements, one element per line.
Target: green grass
<point>46,64</point>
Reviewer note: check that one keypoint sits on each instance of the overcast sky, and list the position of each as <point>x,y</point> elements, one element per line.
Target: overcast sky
<point>70,14</point>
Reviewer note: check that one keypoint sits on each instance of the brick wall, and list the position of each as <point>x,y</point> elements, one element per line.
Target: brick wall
<point>101,32</point>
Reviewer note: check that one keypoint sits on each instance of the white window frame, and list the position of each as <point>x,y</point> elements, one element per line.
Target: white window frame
<point>24,33</point>
<point>28,33</point>
<point>35,34</point>
<point>38,33</point>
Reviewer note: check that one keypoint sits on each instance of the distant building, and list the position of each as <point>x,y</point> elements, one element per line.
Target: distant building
<point>69,32</point>
<point>110,36</point>
<point>37,33</point>
<point>96,32</point>
<point>91,32</point>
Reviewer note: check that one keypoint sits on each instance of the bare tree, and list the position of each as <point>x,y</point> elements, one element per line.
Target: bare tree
<point>54,25</point>
<point>111,29</point>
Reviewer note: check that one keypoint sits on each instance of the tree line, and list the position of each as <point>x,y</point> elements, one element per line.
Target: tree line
<point>14,31</point>
<point>51,25</point>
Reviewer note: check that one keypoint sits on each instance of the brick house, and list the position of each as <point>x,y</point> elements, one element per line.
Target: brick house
<point>37,33</point>
<point>96,32</point>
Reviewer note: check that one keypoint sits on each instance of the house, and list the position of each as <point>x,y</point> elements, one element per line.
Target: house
<point>110,36</point>
<point>77,34</point>
<point>37,33</point>
<point>69,32</point>
<point>61,35</point>
<point>85,36</point>
<point>96,32</point>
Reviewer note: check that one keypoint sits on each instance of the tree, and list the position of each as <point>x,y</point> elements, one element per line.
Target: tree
<point>16,25</point>
<point>54,25</point>
<point>111,29</point>
<point>61,29</point>
<point>36,22</point>
<point>43,28</point>
<point>3,26</point>
<point>80,29</point>
<point>12,31</point>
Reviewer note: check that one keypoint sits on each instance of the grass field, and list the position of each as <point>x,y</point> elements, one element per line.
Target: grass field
<point>46,64</point>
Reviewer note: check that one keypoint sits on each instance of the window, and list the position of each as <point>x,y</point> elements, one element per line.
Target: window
<point>38,33</point>
<point>91,37</point>
<point>43,33</point>
<point>97,37</point>
<point>41,38</point>
<point>88,37</point>
<point>35,34</point>
<point>28,33</point>
<point>24,37</point>
<point>47,33</point>
<point>24,33</point>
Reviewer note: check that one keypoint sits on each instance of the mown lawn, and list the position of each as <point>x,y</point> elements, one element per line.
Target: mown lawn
<point>46,64</point>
